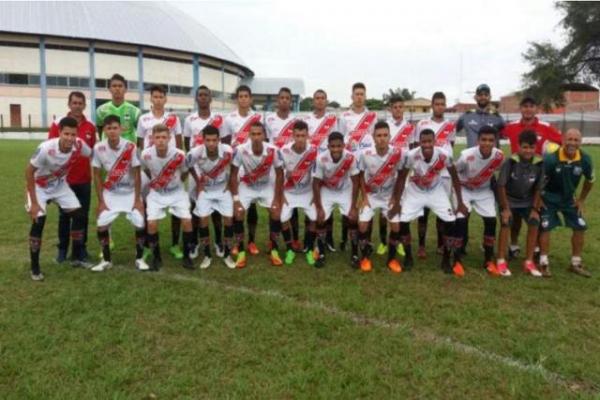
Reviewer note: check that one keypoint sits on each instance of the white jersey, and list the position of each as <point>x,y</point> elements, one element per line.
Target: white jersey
<point>402,133</point>
<point>336,175</point>
<point>237,127</point>
<point>52,165</point>
<point>255,171</point>
<point>279,130</point>
<point>297,168</point>
<point>474,171</point>
<point>445,133</point>
<point>193,125</point>
<point>426,175</point>
<point>213,173</point>
<point>319,129</point>
<point>380,172</point>
<point>118,164</point>
<point>357,129</point>
<point>165,172</point>
<point>147,122</point>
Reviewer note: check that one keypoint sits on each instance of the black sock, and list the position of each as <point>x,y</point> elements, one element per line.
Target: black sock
<point>35,243</point>
<point>287,237</point>
<point>238,229</point>
<point>344,229</point>
<point>363,242</point>
<point>440,226</point>
<point>154,245</point>
<point>274,229</point>
<point>382,229</point>
<point>295,222</point>
<point>489,238</point>
<point>393,245</point>
<point>205,239</point>
<point>228,233</point>
<point>252,219</point>
<point>309,241</point>
<point>353,234</point>
<point>405,239</point>
<point>321,238</point>
<point>422,227</point>
<point>218,227</point>
<point>188,243</point>
<point>195,226</point>
<point>175,229</point>
<point>307,233</point>
<point>329,229</point>
<point>104,239</point>
<point>140,239</point>
<point>77,233</point>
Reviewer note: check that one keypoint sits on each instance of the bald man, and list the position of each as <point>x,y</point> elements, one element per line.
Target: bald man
<point>563,171</point>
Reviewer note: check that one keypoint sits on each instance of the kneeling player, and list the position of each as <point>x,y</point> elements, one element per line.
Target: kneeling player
<point>210,164</point>
<point>258,160</point>
<point>335,183</point>
<point>425,189</point>
<point>379,168</point>
<point>119,192</point>
<point>46,182</point>
<point>166,168</point>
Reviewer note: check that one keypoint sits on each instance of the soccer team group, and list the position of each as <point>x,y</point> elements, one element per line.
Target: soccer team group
<point>316,163</point>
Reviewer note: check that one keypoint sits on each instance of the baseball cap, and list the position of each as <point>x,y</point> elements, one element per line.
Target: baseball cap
<point>482,88</point>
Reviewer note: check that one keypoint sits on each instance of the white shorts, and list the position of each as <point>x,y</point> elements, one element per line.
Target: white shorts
<point>301,201</point>
<point>248,195</point>
<point>482,201</point>
<point>435,199</point>
<point>62,195</point>
<point>176,202</point>
<point>331,198</point>
<point>377,202</point>
<point>447,183</point>
<point>117,204</point>
<point>214,200</point>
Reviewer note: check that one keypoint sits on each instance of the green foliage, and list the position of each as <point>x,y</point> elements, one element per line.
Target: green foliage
<point>333,104</point>
<point>405,93</point>
<point>306,104</point>
<point>375,104</point>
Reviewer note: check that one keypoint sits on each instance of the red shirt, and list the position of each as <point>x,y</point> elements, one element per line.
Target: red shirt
<point>544,131</point>
<point>80,171</point>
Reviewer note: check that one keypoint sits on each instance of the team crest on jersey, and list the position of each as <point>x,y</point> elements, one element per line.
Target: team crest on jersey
<point>471,158</point>
<point>577,171</point>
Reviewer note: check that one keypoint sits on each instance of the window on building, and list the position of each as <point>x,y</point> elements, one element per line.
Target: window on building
<point>34,79</point>
<point>51,80</point>
<point>101,83</point>
<point>17,79</point>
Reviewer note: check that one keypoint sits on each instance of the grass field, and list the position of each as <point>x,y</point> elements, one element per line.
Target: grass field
<point>291,332</point>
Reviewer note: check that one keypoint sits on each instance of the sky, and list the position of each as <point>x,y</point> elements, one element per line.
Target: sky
<point>425,46</point>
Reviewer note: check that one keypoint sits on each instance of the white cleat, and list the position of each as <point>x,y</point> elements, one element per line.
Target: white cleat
<point>219,251</point>
<point>229,262</point>
<point>81,264</point>
<point>195,253</point>
<point>506,273</point>
<point>37,277</point>
<point>141,265</point>
<point>102,266</point>
<point>205,263</point>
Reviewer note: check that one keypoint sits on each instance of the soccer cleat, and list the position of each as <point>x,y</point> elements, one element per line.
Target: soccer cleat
<point>579,270</point>
<point>101,266</point>
<point>37,277</point>
<point>81,264</point>
<point>61,257</point>
<point>234,251</point>
<point>111,246</point>
<point>320,261</point>
<point>275,259</point>
<point>394,266</point>
<point>141,265</point>
<point>502,269</point>
<point>530,268</point>
<point>400,250</point>
<point>252,249</point>
<point>381,249</point>
<point>205,263</point>
<point>229,262</point>
<point>365,265</point>
<point>176,252</point>
<point>240,262</point>
<point>491,268</point>
<point>156,264</point>
<point>355,262</point>
<point>310,258</point>
<point>513,253</point>
<point>458,269</point>
<point>195,252</point>
<point>290,256</point>
<point>545,270</point>
<point>219,251</point>
<point>421,253</point>
<point>330,246</point>
<point>297,246</point>
<point>187,263</point>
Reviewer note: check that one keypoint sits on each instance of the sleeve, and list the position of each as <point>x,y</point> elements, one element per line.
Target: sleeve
<point>402,161</point>
<point>135,160</point>
<point>237,158</point>
<point>588,169</point>
<point>504,173</point>
<point>137,115</point>
<point>416,132</point>
<point>191,158</point>
<point>460,123</point>
<point>177,127</point>
<point>360,162</point>
<point>449,162</point>
<point>225,129</point>
<point>38,159</point>
<point>452,135</point>
<point>187,128</point>
<point>99,116</point>
<point>318,170</point>
<point>53,132</point>
<point>139,130</point>
<point>96,163</point>
<point>553,135</point>
<point>86,150</point>
<point>341,127</point>
<point>540,176</point>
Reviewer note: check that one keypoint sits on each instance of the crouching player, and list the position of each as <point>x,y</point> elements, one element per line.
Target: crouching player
<point>45,174</point>
<point>519,184</point>
<point>476,167</point>
<point>210,164</point>
<point>166,167</point>
<point>119,192</point>
<point>379,168</point>
<point>335,183</point>
<point>426,164</point>
<point>299,158</point>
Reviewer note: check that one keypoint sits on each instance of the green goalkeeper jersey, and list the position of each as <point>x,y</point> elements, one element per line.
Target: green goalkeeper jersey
<point>127,112</point>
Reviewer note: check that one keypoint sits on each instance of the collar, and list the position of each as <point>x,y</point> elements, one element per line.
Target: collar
<point>562,156</point>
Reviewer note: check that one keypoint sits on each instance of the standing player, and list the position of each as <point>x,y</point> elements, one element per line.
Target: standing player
<point>79,177</point>
<point>336,183</point>
<point>257,161</point>
<point>379,168</point>
<point>425,165</point>
<point>210,164</point>
<point>484,115</point>
<point>166,167</point>
<point>119,192</point>
<point>476,167</point>
<point>444,138</point>
<point>563,170</point>
<point>45,174</point>
<point>127,112</point>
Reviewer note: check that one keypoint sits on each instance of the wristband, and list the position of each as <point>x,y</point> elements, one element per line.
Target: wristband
<point>236,197</point>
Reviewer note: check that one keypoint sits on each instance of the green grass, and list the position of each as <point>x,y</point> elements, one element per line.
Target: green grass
<point>291,332</point>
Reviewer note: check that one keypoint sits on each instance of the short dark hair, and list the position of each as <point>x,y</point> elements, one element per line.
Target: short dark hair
<point>243,88</point>
<point>258,124</point>
<point>486,130</point>
<point>528,99</point>
<point>203,87</point>
<point>300,125</point>
<point>426,131</point>
<point>380,125</point>
<point>438,95</point>
<point>111,119</point>
<point>158,88</point>
<point>117,77</point>
<point>320,91</point>
<point>284,90</point>
<point>528,137</point>
<point>76,94</point>
<point>209,130</point>
<point>396,99</point>
<point>335,135</point>
<point>358,85</point>
<point>67,122</point>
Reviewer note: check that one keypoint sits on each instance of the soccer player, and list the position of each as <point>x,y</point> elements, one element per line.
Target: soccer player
<point>476,167</point>
<point>253,164</point>
<point>127,112</point>
<point>298,162</point>
<point>484,115</point>
<point>519,184</point>
<point>45,174</point>
<point>425,165</point>
<point>79,176</point>
<point>336,183</point>
<point>119,192</point>
<point>167,169</point>
<point>563,171</point>
<point>210,164</point>
<point>445,133</point>
<point>236,130</point>
<point>379,168</point>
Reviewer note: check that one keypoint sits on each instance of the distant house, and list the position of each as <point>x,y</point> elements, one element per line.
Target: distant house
<point>464,107</point>
<point>578,97</point>
<point>418,105</point>
<point>265,90</point>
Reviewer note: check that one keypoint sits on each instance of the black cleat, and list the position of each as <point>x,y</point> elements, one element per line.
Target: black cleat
<point>445,265</point>
<point>355,262</point>
<point>513,254</point>
<point>187,263</point>
<point>156,264</point>
<point>320,262</point>
<point>408,263</point>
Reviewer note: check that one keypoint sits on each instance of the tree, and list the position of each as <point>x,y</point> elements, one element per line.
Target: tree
<point>334,104</point>
<point>577,61</point>
<point>405,93</point>
<point>306,104</point>
<point>375,104</point>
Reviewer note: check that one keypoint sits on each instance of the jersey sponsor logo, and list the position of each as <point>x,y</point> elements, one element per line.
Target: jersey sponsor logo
<point>242,135</point>
<point>340,173</point>
<point>120,167</point>
<point>261,169</point>
<point>301,168</point>
<point>323,130</point>
<point>285,134</point>
<point>485,173</point>
<point>361,129</point>
<point>384,172</point>
<point>168,172</point>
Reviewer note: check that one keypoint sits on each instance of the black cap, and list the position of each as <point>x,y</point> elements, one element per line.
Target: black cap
<point>528,99</point>
<point>482,88</point>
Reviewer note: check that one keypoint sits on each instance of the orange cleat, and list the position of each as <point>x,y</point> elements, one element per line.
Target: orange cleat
<point>365,265</point>
<point>297,245</point>
<point>241,260</point>
<point>492,269</point>
<point>458,270</point>
<point>275,259</point>
<point>394,266</point>
<point>252,249</point>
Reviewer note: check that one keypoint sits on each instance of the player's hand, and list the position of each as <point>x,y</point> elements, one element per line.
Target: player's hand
<point>394,209</point>
<point>237,206</point>
<point>579,206</point>
<point>101,207</point>
<point>34,210</point>
<point>276,209</point>
<point>462,209</point>
<point>139,205</point>
<point>320,215</point>
<point>199,186</point>
<point>506,216</point>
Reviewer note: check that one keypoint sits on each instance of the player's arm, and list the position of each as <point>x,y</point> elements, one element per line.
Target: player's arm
<point>316,189</point>
<point>137,176</point>
<point>279,186</point>
<point>178,142</point>
<point>399,186</point>
<point>98,185</point>
<point>355,191</point>
<point>140,143</point>
<point>362,189</point>
<point>186,143</point>
<point>457,189</point>
<point>234,181</point>
<point>34,209</point>
<point>585,190</point>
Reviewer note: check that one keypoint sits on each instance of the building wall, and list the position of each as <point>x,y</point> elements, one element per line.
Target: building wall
<point>67,62</point>
<point>19,59</point>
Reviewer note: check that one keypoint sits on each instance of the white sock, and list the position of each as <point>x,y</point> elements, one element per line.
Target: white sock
<point>514,247</point>
<point>544,259</point>
<point>500,261</point>
<point>575,260</point>
<point>537,249</point>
